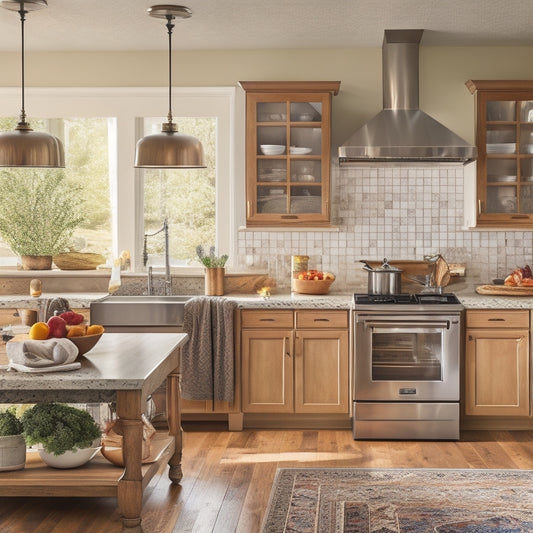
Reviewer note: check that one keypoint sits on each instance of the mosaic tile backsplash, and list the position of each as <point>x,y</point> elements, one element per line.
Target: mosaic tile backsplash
<point>394,212</point>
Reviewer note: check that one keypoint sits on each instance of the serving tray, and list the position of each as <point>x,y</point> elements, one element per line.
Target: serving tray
<point>503,290</point>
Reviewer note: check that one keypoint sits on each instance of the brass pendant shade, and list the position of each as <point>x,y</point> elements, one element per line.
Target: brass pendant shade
<point>24,147</point>
<point>170,148</point>
<point>27,148</point>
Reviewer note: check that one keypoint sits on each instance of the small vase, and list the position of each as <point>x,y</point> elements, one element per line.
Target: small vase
<point>12,452</point>
<point>214,281</point>
<point>36,262</point>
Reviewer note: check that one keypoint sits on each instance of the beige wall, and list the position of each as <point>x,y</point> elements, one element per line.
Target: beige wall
<point>443,73</point>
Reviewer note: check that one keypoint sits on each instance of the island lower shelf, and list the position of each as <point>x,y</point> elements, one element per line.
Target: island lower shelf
<point>98,478</point>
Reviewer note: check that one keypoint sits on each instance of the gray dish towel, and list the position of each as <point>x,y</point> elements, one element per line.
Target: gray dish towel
<point>207,360</point>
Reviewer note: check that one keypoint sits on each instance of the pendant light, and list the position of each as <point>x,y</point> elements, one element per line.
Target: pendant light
<point>24,147</point>
<point>169,149</point>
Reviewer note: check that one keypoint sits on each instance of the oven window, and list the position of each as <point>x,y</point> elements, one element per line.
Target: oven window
<point>406,356</point>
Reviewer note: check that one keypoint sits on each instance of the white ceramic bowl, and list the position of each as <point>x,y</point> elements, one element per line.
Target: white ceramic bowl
<point>69,459</point>
<point>272,149</point>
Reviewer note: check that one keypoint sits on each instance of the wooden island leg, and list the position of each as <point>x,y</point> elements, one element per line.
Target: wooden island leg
<point>130,491</point>
<point>174,424</point>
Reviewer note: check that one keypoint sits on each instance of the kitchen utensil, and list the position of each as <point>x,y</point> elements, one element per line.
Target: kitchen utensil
<point>385,279</point>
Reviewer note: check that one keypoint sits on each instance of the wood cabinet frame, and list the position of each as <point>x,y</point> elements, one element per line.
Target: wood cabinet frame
<point>486,91</point>
<point>301,361</point>
<point>497,363</point>
<point>288,93</point>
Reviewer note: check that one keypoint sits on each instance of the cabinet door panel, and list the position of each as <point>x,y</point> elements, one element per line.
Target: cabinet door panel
<point>497,373</point>
<point>321,372</point>
<point>267,371</point>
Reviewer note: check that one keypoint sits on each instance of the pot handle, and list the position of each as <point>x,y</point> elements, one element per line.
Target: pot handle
<point>366,266</point>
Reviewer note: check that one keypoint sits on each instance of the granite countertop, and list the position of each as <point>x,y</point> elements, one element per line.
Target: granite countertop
<point>100,375</point>
<point>465,291</point>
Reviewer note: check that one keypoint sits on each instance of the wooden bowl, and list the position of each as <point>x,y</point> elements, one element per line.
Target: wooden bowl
<point>312,286</point>
<point>78,260</point>
<point>85,343</point>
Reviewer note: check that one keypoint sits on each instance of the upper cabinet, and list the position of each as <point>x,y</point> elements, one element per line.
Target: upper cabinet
<point>504,138</point>
<point>288,132</point>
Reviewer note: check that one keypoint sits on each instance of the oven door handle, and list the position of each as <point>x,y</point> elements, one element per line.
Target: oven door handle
<point>445,324</point>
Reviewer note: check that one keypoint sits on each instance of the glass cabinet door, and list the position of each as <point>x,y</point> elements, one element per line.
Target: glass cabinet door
<point>288,157</point>
<point>288,154</point>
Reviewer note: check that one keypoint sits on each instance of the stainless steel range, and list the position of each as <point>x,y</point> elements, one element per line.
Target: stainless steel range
<point>406,369</point>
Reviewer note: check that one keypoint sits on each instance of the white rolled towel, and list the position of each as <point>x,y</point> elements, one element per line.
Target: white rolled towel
<point>41,354</point>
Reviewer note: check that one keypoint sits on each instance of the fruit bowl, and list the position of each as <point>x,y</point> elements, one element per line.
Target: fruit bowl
<point>85,342</point>
<point>312,286</point>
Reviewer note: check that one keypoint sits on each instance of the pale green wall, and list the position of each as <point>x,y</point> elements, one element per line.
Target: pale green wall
<point>443,73</point>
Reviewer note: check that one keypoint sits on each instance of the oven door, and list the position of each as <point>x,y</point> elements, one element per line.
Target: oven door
<point>406,357</point>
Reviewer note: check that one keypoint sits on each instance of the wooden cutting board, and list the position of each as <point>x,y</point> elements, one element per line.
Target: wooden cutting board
<point>503,290</point>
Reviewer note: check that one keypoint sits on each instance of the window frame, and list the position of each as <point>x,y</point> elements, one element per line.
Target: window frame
<point>126,104</point>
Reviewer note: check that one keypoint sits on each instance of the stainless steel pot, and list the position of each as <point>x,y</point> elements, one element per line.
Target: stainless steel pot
<point>384,280</point>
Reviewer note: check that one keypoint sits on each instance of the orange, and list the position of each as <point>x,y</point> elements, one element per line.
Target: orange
<point>76,331</point>
<point>95,329</point>
<point>39,331</point>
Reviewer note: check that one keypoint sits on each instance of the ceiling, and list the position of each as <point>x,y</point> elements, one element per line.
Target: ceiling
<point>122,25</point>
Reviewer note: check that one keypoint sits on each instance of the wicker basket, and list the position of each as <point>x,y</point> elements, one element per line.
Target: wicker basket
<point>78,261</point>
<point>310,286</point>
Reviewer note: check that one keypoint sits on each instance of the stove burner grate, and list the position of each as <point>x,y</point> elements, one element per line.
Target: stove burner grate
<point>411,299</point>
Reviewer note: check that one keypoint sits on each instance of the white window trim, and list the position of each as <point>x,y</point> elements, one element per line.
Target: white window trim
<point>127,103</point>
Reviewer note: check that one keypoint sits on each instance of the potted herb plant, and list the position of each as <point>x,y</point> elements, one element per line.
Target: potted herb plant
<point>39,212</point>
<point>69,436</point>
<point>12,443</point>
<point>214,270</point>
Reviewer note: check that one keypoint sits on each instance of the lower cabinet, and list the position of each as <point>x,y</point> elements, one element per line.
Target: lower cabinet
<point>497,373</point>
<point>295,361</point>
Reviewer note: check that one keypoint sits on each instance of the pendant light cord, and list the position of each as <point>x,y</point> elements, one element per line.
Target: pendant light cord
<point>170,27</point>
<point>22,13</point>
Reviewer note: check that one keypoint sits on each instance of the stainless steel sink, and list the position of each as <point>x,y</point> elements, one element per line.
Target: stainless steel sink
<point>114,312</point>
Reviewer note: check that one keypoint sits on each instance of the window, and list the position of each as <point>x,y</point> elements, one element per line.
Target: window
<point>186,197</point>
<point>124,202</point>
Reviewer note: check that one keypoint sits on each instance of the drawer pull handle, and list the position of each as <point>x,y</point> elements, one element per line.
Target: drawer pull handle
<point>266,320</point>
<point>321,319</point>
<point>496,319</point>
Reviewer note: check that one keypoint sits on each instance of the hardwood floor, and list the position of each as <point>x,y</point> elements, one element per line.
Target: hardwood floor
<point>228,476</point>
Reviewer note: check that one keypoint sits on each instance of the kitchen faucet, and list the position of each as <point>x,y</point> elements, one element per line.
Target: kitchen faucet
<point>168,278</point>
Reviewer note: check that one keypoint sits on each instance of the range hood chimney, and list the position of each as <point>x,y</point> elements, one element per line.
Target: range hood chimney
<point>401,132</point>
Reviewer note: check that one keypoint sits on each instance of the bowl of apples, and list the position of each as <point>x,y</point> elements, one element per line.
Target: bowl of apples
<point>313,282</point>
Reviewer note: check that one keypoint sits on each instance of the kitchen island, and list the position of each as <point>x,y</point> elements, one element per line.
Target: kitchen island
<point>124,369</point>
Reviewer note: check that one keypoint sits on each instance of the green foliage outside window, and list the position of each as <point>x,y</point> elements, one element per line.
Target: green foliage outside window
<point>186,197</point>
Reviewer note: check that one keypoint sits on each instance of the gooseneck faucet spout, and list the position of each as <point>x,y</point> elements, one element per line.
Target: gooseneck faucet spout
<point>168,277</point>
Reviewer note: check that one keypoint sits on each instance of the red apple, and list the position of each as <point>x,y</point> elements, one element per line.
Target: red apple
<point>58,327</point>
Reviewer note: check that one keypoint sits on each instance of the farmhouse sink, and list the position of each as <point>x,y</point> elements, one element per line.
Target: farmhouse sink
<point>139,311</point>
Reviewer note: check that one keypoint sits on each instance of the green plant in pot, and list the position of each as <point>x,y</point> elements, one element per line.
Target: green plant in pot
<point>39,211</point>
<point>214,270</point>
<point>12,443</point>
<point>69,436</point>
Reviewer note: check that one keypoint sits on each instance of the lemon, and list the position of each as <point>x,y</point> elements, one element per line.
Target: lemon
<point>39,331</point>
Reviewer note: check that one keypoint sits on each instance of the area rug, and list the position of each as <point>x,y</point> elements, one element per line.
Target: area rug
<point>352,500</point>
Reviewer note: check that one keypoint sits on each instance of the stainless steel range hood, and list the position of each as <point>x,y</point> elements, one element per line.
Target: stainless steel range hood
<point>401,132</point>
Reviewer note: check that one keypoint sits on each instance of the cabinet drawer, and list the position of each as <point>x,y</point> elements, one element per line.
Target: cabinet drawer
<point>321,319</point>
<point>266,319</point>
<point>516,318</point>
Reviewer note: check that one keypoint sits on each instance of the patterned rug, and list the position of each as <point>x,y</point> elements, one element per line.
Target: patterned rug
<point>352,500</point>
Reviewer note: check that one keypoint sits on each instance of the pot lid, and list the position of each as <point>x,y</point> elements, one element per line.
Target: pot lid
<point>385,267</point>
